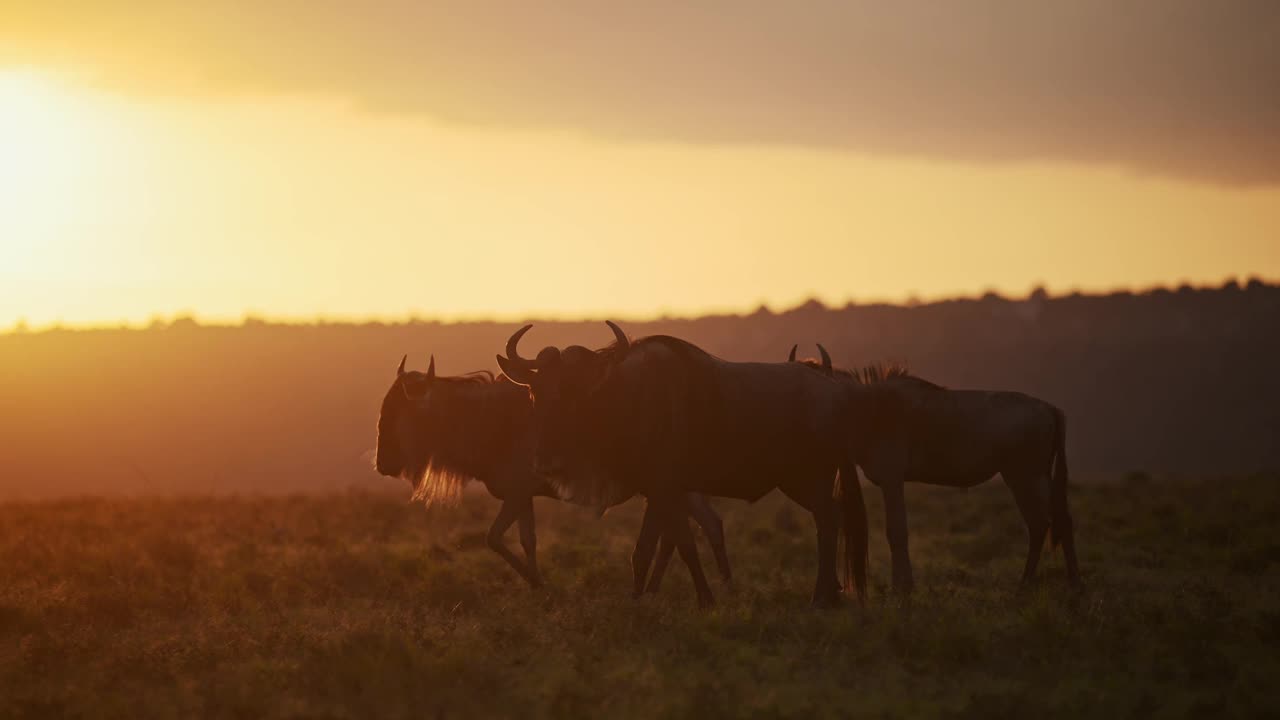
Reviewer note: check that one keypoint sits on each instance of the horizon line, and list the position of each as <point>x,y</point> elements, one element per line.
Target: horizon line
<point>251,318</point>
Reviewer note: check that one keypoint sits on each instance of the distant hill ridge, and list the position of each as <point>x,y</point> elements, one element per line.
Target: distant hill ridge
<point>1165,381</point>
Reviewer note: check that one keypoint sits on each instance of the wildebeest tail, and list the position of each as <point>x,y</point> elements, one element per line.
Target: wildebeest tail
<point>854,521</point>
<point>1059,515</point>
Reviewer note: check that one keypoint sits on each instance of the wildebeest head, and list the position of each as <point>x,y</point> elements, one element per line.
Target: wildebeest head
<point>558,381</point>
<point>397,455</point>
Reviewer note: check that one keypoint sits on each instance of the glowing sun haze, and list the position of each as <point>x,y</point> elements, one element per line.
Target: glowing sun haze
<point>463,159</point>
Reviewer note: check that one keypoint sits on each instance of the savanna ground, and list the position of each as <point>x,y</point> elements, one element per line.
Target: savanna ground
<point>360,605</point>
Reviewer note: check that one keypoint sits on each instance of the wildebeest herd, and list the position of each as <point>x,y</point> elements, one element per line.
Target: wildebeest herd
<point>661,418</point>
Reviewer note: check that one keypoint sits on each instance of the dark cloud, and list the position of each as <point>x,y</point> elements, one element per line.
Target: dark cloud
<point>1181,87</point>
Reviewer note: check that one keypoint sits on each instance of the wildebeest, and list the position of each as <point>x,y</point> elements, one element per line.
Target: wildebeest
<point>907,429</point>
<point>440,432</point>
<point>662,417</point>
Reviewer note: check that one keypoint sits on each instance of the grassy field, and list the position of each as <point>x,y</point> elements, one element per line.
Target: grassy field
<point>360,605</point>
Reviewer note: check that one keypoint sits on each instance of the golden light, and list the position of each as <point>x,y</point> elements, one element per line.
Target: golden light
<point>50,144</point>
<point>43,133</point>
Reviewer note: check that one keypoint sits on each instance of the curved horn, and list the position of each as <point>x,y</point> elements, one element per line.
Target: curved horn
<point>519,369</point>
<point>400,370</point>
<point>513,353</point>
<point>623,343</point>
<point>791,357</point>
<point>826,359</point>
<point>431,369</point>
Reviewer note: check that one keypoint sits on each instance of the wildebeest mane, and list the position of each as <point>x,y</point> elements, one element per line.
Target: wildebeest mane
<point>478,377</point>
<point>873,373</point>
<point>877,372</point>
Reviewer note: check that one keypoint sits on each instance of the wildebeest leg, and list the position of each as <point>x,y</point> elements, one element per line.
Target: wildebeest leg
<point>651,526</point>
<point>676,517</point>
<point>702,513</point>
<point>826,593</point>
<point>895,513</point>
<point>529,541</point>
<point>1033,505</point>
<point>666,548</point>
<point>507,515</point>
<point>699,508</point>
<point>809,502</point>
<point>1061,525</point>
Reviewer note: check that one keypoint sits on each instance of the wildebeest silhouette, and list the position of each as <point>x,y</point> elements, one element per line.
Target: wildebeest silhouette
<point>907,429</point>
<point>662,417</point>
<point>440,432</point>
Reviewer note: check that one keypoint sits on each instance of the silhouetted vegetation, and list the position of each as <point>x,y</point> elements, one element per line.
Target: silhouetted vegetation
<point>362,605</point>
<point>1165,381</point>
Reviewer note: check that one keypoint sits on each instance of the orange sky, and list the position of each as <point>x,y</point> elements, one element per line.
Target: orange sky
<point>163,160</point>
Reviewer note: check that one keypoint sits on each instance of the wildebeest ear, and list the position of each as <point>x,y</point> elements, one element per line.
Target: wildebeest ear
<point>508,369</point>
